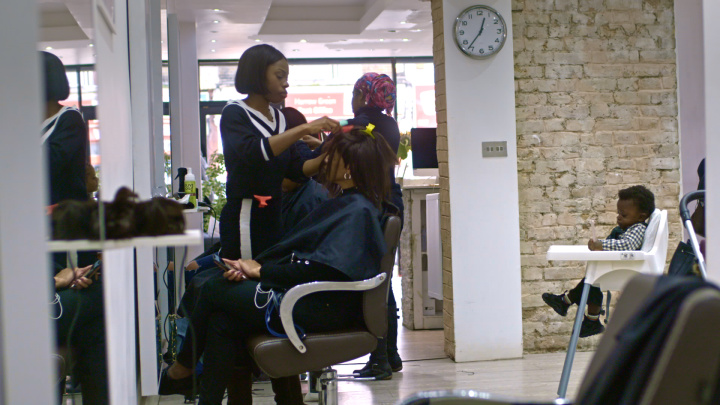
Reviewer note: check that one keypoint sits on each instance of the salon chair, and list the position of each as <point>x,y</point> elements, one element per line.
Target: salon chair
<point>686,370</point>
<point>284,357</point>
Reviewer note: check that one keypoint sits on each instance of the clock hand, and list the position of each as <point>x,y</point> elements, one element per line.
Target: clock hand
<point>479,33</point>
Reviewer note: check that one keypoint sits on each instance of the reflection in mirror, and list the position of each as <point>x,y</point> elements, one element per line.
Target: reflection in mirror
<point>70,142</point>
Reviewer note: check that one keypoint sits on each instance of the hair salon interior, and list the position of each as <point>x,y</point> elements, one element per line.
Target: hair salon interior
<point>519,130</point>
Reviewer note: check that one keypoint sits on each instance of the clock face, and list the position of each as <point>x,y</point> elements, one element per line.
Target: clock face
<point>480,32</point>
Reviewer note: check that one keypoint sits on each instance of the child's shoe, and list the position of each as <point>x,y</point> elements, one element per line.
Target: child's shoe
<point>591,327</point>
<point>556,302</point>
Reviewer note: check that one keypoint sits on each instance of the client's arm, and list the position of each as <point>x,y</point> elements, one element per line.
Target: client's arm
<point>283,275</point>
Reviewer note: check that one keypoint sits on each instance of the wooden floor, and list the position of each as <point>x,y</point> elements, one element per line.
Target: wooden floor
<point>425,367</point>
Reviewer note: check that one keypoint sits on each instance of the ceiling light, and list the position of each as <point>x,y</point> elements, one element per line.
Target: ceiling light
<point>91,45</point>
<point>303,40</point>
<point>296,50</point>
<point>257,40</point>
<point>216,21</point>
<point>382,39</point>
<point>48,48</point>
<point>405,39</point>
<point>403,22</point>
<point>213,40</point>
<point>216,9</point>
<point>416,30</point>
<point>392,30</point>
<point>212,50</point>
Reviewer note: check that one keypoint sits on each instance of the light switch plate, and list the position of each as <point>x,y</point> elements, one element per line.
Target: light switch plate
<point>494,149</point>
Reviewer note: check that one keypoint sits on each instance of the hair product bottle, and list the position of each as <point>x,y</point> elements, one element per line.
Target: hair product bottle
<point>190,187</point>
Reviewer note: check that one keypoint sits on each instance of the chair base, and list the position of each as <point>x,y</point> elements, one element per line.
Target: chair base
<point>327,387</point>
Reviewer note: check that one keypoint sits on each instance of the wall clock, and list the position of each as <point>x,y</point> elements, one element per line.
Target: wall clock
<point>480,32</point>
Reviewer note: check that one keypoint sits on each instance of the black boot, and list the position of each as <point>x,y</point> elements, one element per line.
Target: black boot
<point>378,366</point>
<point>287,390</point>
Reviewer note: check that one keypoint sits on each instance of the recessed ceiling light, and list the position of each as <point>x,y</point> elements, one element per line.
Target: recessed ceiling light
<point>303,40</point>
<point>91,45</point>
<point>405,39</point>
<point>257,40</point>
<point>216,21</point>
<point>216,9</point>
<point>161,42</point>
<point>403,22</point>
<point>382,39</point>
<point>392,30</point>
<point>416,30</point>
<point>213,40</point>
<point>212,50</point>
<point>48,48</point>
<point>296,50</point>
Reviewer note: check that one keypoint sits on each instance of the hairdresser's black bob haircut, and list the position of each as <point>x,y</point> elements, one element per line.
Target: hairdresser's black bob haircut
<point>57,87</point>
<point>251,73</point>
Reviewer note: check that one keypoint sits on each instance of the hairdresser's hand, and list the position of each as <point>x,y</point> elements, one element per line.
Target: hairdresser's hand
<point>80,280</point>
<point>594,244</point>
<point>323,124</point>
<point>312,141</point>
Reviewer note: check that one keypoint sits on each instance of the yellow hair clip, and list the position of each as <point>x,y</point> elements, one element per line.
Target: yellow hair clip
<point>368,130</point>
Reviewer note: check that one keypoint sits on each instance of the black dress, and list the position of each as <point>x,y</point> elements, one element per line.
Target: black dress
<point>251,220</point>
<point>65,144</point>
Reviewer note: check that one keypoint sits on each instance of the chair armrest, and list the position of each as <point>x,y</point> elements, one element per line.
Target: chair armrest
<point>476,397</point>
<point>582,253</point>
<point>294,294</point>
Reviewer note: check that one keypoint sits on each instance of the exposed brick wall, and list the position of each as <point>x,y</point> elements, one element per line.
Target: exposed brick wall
<point>442,155</point>
<point>596,109</point>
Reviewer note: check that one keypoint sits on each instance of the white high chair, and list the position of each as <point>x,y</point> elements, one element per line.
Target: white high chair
<point>611,270</point>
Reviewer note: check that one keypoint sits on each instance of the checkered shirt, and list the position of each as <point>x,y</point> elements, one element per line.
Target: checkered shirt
<point>632,239</point>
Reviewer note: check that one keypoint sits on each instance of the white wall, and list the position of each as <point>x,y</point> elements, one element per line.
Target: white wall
<point>26,371</point>
<point>483,197</point>
<point>711,15</point>
<point>691,89</point>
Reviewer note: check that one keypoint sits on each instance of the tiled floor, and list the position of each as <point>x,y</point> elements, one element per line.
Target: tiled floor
<point>426,367</point>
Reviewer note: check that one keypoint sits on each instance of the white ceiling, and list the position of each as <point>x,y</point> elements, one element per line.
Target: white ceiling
<point>299,28</point>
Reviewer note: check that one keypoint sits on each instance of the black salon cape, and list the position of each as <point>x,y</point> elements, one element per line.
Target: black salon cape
<point>343,233</point>
<point>622,381</point>
<point>297,204</point>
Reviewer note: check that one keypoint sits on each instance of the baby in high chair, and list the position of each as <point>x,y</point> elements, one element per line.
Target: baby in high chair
<point>634,207</point>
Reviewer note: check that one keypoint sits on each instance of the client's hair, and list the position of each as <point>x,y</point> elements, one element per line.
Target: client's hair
<point>643,198</point>
<point>369,159</point>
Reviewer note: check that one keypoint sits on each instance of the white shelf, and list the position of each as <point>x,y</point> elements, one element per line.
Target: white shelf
<point>190,237</point>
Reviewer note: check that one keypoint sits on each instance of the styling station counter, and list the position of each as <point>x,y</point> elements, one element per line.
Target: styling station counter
<point>420,309</point>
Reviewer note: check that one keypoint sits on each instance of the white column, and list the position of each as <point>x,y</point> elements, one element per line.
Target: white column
<point>114,115</point>
<point>711,15</point>
<point>28,374</point>
<point>144,33</point>
<point>691,89</point>
<point>184,106</point>
<point>483,197</point>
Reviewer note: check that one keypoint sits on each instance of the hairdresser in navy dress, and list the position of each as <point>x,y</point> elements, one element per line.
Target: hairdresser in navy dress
<point>259,153</point>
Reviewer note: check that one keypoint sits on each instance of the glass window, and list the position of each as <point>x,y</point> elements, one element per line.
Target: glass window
<point>72,99</point>
<point>415,96</point>
<point>88,87</point>
<point>326,89</point>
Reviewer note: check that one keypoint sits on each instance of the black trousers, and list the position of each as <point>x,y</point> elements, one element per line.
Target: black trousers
<point>85,339</point>
<point>595,297</point>
<point>226,315</point>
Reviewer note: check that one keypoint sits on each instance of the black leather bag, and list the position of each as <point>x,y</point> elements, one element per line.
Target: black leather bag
<point>683,261</point>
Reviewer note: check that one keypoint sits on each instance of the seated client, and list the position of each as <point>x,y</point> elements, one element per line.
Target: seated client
<point>341,240</point>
